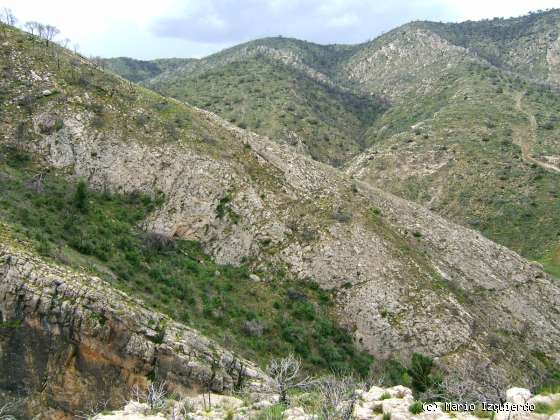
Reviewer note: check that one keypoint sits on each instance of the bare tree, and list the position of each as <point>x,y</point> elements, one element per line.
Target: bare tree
<point>33,28</point>
<point>37,182</point>
<point>7,18</point>
<point>40,28</point>
<point>50,33</point>
<point>285,374</point>
<point>154,395</point>
<point>65,43</point>
<point>181,409</point>
<point>97,61</point>
<point>480,381</point>
<point>30,27</point>
<point>92,410</point>
<point>338,396</point>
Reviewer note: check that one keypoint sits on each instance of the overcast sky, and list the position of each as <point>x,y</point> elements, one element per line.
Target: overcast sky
<point>195,28</point>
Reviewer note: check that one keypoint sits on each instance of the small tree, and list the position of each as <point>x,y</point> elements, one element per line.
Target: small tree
<point>285,374</point>
<point>478,381</point>
<point>40,28</point>
<point>30,26</point>
<point>421,372</point>
<point>50,33</point>
<point>92,410</point>
<point>154,395</point>
<point>7,18</point>
<point>338,396</point>
<point>34,28</point>
<point>65,43</point>
<point>81,197</point>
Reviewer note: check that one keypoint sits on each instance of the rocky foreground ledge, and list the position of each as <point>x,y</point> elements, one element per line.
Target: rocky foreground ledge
<point>396,403</point>
<point>68,340</point>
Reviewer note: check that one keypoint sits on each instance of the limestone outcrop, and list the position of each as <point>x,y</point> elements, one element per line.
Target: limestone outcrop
<point>406,279</point>
<point>375,404</point>
<point>69,340</point>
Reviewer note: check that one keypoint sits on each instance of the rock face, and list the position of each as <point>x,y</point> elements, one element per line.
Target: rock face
<point>397,402</point>
<point>407,279</point>
<point>69,340</point>
<point>407,58</point>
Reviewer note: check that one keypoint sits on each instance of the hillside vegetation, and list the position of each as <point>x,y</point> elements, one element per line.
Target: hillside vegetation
<point>138,70</point>
<point>264,249</point>
<point>469,152</point>
<point>258,94</point>
<point>100,230</point>
<point>460,117</point>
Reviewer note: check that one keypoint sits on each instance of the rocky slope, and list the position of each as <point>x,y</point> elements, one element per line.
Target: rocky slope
<point>475,154</point>
<point>375,403</point>
<point>526,46</point>
<point>69,340</point>
<point>450,104</point>
<point>406,280</point>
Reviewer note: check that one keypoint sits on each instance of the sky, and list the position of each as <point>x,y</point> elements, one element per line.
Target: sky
<point>195,28</point>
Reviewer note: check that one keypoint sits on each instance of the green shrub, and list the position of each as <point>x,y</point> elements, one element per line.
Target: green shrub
<point>81,197</point>
<point>274,412</point>
<point>416,407</point>
<point>543,408</point>
<point>378,409</point>
<point>342,216</point>
<point>393,371</point>
<point>420,371</point>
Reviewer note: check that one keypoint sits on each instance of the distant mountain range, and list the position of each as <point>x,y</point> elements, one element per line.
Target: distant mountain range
<point>461,117</point>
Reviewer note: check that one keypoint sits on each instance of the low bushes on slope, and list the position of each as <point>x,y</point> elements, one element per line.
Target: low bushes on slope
<point>99,231</point>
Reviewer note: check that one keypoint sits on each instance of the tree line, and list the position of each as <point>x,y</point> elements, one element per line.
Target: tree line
<point>45,32</point>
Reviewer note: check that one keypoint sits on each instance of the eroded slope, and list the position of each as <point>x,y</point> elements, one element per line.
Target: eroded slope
<point>406,279</point>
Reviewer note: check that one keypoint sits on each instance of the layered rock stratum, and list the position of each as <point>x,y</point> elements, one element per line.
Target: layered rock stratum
<point>68,340</point>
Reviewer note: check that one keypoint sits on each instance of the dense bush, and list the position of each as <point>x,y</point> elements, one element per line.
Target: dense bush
<point>81,197</point>
<point>421,375</point>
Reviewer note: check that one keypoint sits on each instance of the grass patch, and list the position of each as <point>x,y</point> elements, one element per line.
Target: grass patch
<point>416,407</point>
<point>272,413</point>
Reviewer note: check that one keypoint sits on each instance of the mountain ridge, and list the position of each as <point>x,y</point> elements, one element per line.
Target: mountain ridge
<point>412,74</point>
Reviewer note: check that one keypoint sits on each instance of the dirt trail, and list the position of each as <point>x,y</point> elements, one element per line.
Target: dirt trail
<point>527,140</point>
